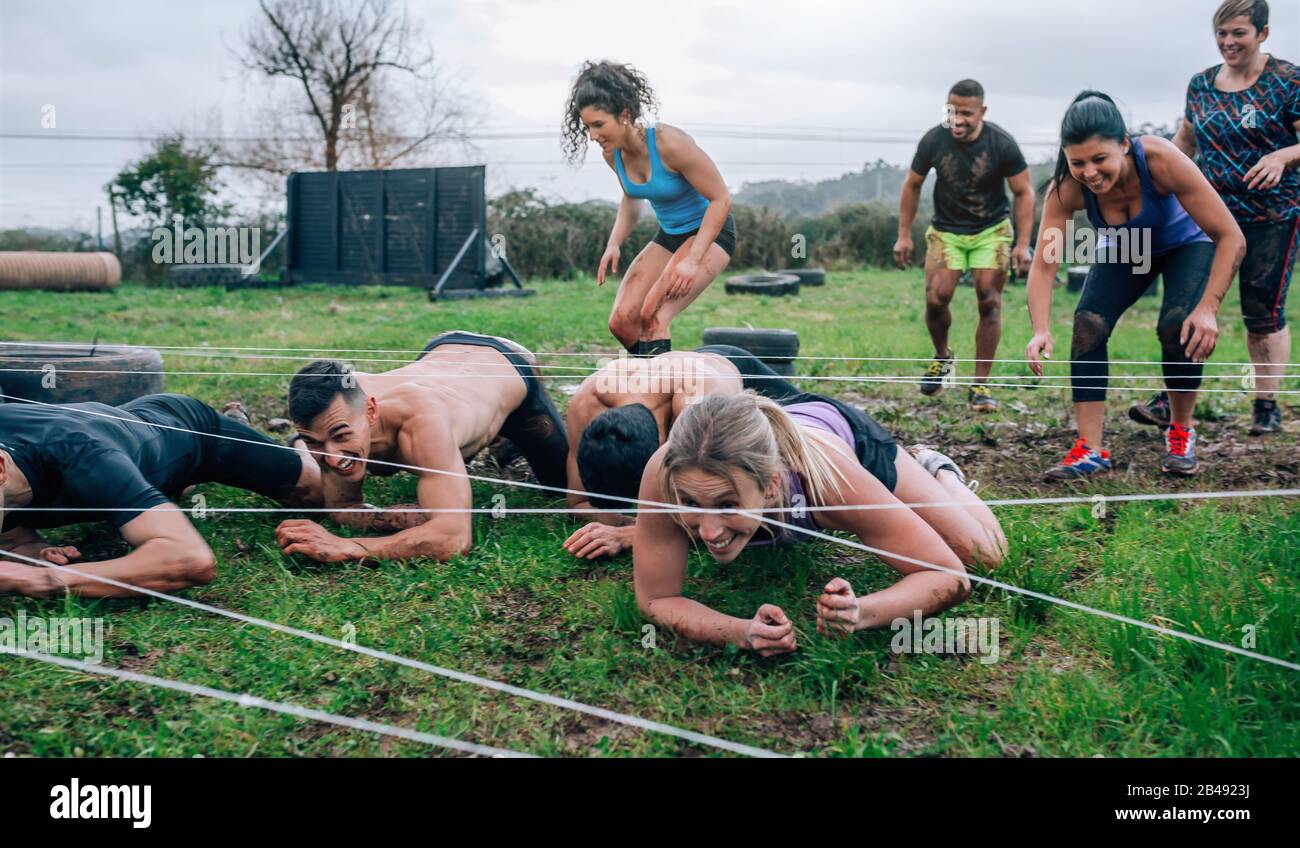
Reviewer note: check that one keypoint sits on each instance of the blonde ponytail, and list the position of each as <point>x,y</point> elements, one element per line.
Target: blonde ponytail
<point>801,453</point>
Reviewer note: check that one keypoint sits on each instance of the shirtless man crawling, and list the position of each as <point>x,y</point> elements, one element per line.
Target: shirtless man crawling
<point>621,415</point>
<point>436,414</point>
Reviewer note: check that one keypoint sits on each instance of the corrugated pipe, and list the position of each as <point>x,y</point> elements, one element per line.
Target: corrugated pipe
<point>31,269</point>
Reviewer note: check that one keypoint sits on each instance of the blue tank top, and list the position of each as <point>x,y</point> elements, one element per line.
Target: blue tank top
<point>820,416</point>
<point>677,204</point>
<point>1170,225</point>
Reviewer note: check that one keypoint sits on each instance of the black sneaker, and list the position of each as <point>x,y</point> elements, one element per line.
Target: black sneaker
<point>938,374</point>
<point>981,399</point>
<point>1268,418</point>
<point>1156,412</point>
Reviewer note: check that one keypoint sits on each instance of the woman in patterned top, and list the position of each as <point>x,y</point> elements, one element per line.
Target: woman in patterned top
<point>1242,117</point>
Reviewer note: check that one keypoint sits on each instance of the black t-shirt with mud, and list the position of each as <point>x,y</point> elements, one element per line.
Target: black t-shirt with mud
<point>970,190</point>
<point>127,459</point>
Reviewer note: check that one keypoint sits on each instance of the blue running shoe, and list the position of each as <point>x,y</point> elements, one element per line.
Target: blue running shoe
<point>1082,461</point>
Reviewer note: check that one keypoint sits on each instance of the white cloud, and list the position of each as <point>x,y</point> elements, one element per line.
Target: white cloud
<point>149,66</point>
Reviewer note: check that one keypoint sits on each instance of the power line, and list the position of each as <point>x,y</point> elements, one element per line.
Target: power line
<point>771,135</point>
<point>496,162</point>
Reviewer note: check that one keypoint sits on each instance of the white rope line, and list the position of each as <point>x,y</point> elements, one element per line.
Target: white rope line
<point>625,357</point>
<point>1123,619</point>
<point>640,502</point>
<point>795,378</point>
<point>658,377</point>
<point>463,677</point>
<point>677,510</point>
<point>633,502</point>
<point>253,702</point>
<point>201,350</point>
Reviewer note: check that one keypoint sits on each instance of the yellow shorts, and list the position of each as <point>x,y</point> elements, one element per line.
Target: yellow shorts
<point>990,249</point>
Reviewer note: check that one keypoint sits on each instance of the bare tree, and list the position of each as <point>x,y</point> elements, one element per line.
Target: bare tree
<point>364,89</point>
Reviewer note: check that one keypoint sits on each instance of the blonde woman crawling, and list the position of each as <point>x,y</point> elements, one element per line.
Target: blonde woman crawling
<point>747,453</point>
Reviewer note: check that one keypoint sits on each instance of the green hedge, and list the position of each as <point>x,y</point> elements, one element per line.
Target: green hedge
<point>558,240</point>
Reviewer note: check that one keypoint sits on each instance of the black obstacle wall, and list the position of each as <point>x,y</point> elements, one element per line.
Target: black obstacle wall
<point>399,227</point>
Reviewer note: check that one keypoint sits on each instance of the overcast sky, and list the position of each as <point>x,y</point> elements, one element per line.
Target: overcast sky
<point>870,72</point>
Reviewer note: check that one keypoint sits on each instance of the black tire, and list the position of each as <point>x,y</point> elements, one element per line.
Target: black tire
<point>808,276</point>
<point>773,285</point>
<point>768,345</point>
<point>192,276</point>
<point>784,368</point>
<point>56,372</point>
<point>1078,276</point>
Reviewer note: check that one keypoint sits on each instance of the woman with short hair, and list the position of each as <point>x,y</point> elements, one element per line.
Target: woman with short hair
<point>1242,118</point>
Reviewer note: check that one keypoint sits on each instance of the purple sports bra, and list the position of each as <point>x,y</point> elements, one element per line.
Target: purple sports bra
<point>820,416</point>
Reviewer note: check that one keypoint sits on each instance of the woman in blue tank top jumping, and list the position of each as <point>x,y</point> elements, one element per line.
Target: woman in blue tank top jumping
<point>1153,213</point>
<point>745,453</point>
<point>661,164</point>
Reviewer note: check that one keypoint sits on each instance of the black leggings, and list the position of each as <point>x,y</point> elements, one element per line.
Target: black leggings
<point>1266,274</point>
<point>1111,288</point>
<point>230,453</point>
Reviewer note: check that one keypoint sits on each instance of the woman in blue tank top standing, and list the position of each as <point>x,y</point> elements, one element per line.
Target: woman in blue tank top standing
<point>1153,213</point>
<point>661,164</point>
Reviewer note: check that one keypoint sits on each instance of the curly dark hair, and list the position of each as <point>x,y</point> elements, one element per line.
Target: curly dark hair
<point>610,87</point>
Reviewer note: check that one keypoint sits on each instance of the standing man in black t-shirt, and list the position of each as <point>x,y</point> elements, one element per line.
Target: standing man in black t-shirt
<point>971,230</point>
<point>72,463</point>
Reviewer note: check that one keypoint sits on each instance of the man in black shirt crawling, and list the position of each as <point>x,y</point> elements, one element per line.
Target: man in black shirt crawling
<point>974,161</point>
<point>74,463</point>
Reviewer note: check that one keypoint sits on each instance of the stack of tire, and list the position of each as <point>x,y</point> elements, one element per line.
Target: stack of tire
<point>777,283</point>
<point>776,348</point>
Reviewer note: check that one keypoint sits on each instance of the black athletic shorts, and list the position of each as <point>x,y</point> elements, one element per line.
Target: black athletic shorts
<point>233,454</point>
<point>726,238</point>
<point>875,448</point>
<point>754,373</point>
<point>518,355</point>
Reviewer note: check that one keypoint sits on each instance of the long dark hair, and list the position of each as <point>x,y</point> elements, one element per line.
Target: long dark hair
<point>1091,114</point>
<point>609,87</point>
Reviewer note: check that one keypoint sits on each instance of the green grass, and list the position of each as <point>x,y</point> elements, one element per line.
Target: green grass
<point>519,609</point>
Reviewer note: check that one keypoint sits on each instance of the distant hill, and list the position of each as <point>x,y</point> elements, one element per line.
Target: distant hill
<point>46,239</point>
<point>878,181</point>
